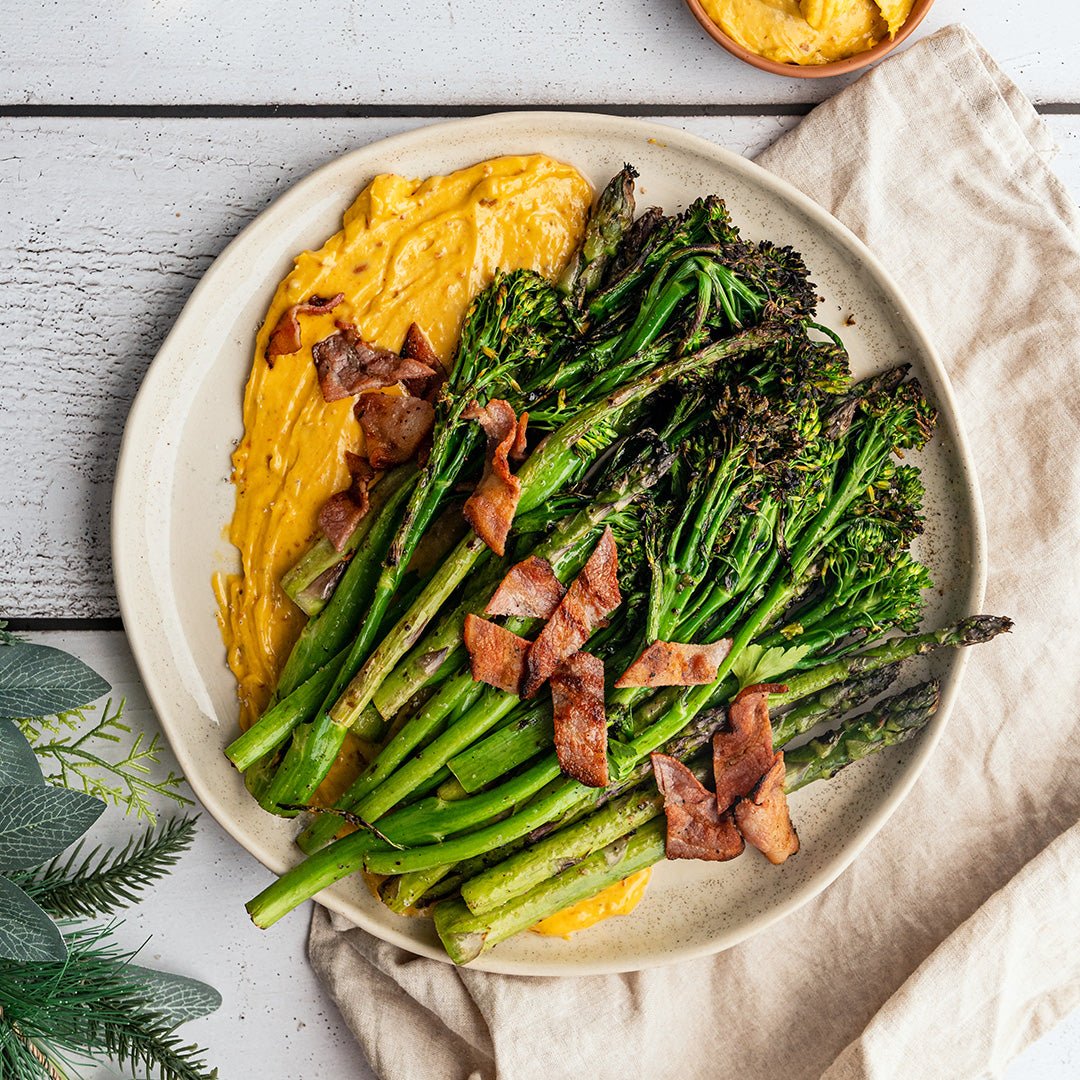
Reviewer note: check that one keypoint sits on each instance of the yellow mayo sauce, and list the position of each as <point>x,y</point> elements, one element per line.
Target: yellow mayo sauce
<point>810,31</point>
<point>618,899</point>
<point>410,251</point>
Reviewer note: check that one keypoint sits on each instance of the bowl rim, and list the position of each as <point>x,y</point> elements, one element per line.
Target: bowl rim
<point>810,71</point>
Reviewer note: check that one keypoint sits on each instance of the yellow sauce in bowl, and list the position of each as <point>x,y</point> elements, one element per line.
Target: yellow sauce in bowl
<point>810,31</point>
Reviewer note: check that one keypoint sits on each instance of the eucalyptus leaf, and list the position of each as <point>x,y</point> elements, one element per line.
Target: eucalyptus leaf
<point>18,762</point>
<point>37,823</point>
<point>176,997</point>
<point>38,680</point>
<point>26,932</point>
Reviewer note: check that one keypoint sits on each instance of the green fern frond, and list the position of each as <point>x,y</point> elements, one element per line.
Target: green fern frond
<point>103,883</point>
<point>75,764</point>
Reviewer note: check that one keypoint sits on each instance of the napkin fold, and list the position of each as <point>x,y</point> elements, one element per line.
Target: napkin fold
<point>951,942</point>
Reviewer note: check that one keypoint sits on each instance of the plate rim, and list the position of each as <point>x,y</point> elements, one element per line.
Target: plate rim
<point>129,562</point>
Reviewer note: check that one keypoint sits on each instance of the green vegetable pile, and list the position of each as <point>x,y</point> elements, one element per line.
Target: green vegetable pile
<point>680,391</point>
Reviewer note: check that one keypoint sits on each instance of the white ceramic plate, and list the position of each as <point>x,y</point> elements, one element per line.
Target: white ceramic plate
<point>173,501</point>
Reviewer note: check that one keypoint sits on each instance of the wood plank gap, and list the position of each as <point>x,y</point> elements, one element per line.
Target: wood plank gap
<point>41,625</point>
<point>369,112</point>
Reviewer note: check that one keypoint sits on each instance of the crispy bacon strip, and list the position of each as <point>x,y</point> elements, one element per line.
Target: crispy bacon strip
<point>491,507</point>
<point>577,693</point>
<point>394,427</point>
<point>695,828</point>
<point>341,513</point>
<point>667,663</point>
<point>497,655</point>
<point>743,754</point>
<point>763,816</point>
<point>417,347</point>
<point>285,337</point>
<point>530,588</point>
<point>347,365</point>
<point>592,595</point>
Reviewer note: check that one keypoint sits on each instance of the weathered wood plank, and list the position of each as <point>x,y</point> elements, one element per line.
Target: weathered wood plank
<point>482,52</point>
<point>107,224</point>
<point>197,926</point>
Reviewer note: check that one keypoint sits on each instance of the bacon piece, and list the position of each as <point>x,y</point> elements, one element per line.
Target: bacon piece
<point>667,663</point>
<point>339,517</point>
<point>497,655</point>
<point>519,448</point>
<point>490,509</point>
<point>394,427</point>
<point>696,829</point>
<point>285,337</point>
<point>417,347</point>
<point>763,816</point>
<point>530,588</point>
<point>743,754</point>
<point>592,595</point>
<point>347,365</point>
<point>577,692</point>
<point>341,513</point>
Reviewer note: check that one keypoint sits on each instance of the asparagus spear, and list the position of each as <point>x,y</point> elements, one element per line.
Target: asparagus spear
<point>347,855</point>
<point>551,465</point>
<point>466,935</point>
<point>565,548</point>
<point>322,557</point>
<point>612,217</point>
<point>896,720</point>
<point>519,872</point>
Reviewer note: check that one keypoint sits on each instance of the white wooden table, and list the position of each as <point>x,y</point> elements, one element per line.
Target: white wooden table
<point>136,139</point>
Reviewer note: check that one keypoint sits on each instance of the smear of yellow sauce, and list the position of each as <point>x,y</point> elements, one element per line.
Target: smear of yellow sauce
<point>808,31</point>
<point>410,250</point>
<point>618,899</point>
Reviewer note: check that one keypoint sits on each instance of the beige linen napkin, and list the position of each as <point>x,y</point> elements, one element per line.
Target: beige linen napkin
<point>953,940</point>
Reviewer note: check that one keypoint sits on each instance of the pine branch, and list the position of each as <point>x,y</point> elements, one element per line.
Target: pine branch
<point>101,885</point>
<point>126,782</point>
<point>19,1057</point>
<point>90,1005</point>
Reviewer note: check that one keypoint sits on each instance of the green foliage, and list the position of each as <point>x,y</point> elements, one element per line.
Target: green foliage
<point>39,680</point>
<point>71,748</point>
<point>18,762</point>
<point>26,932</point>
<point>68,995</point>
<point>756,664</point>
<point>38,821</point>
<point>55,1016</point>
<point>104,882</point>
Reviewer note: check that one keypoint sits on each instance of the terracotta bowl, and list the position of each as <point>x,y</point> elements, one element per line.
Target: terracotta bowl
<point>811,71</point>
